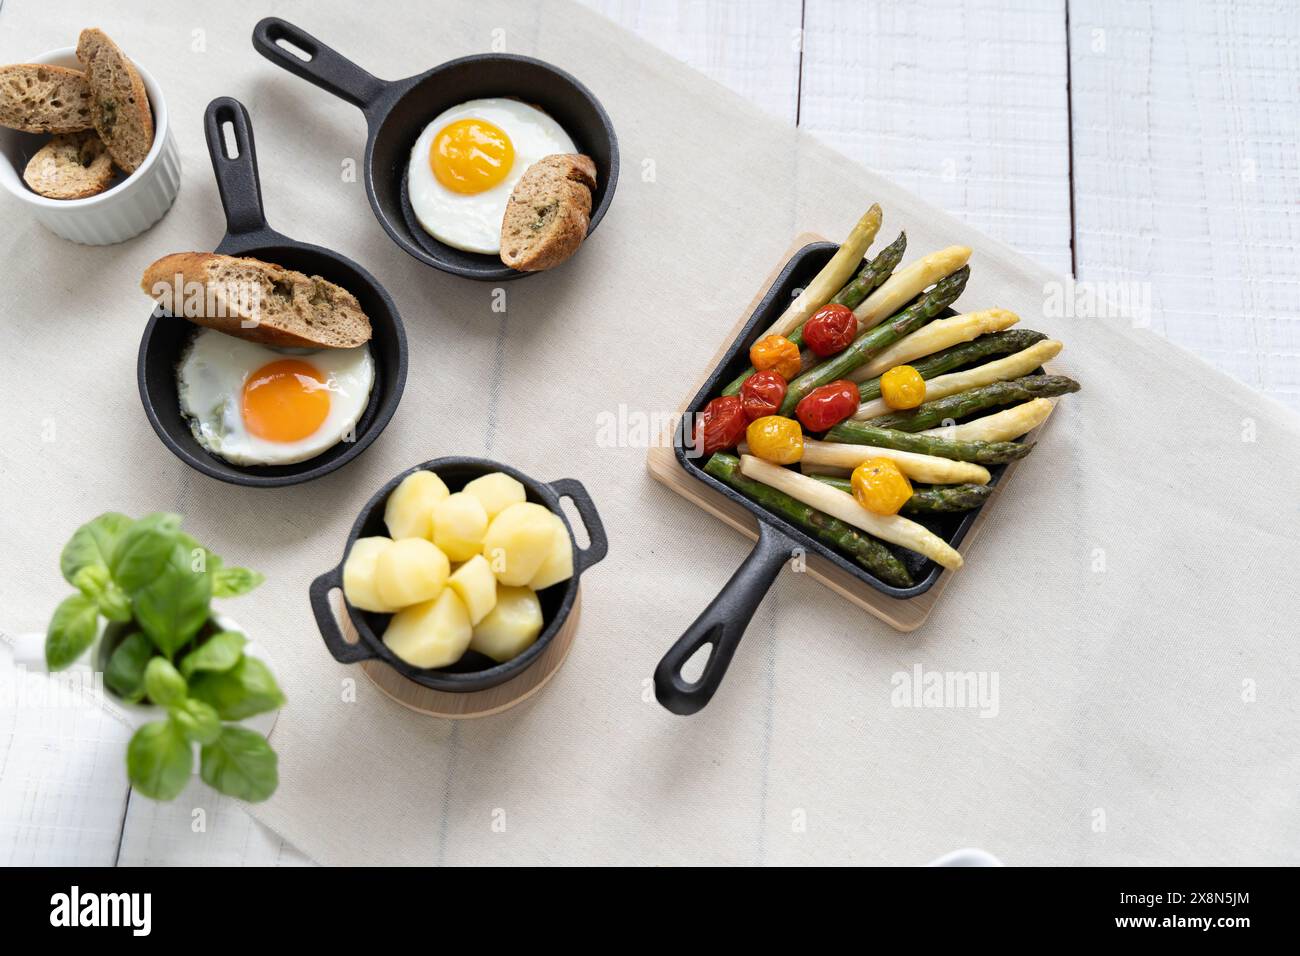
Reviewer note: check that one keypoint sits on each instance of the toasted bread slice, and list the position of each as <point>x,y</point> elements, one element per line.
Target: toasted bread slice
<point>258,301</point>
<point>70,166</point>
<point>548,213</point>
<point>38,98</point>
<point>120,106</point>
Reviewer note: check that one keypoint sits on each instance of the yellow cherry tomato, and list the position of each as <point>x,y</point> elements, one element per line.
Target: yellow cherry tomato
<point>880,487</point>
<point>902,387</point>
<point>775,352</point>
<point>776,439</point>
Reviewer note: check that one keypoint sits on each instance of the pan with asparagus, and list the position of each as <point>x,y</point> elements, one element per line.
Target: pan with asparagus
<point>871,411</point>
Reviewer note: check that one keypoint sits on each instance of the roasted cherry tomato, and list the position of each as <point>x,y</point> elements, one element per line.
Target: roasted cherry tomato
<point>880,487</point>
<point>721,425</point>
<point>831,329</point>
<point>826,407</point>
<point>777,353</point>
<point>762,394</point>
<point>776,439</point>
<point>902,387</point>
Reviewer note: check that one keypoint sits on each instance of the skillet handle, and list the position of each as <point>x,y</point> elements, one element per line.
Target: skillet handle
<point>597,543</point>
<point>325,68</point>
<point>237,179</point>
<point>722,624</point>
<point>342,651</point>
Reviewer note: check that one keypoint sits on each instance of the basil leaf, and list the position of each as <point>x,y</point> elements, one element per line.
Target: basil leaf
<point>220,652</point>
<point>246,689</point>
<point>93,544</point>
<point>159,760</point>
<point>197,721</point>
<point>72,630</point>
<point>241,764</point>
<point>173,606</point>
<point>144,550</point>
<point>232,582</point>
<point>124,674</point>
<point>113,603</point>
<point>163,683</point>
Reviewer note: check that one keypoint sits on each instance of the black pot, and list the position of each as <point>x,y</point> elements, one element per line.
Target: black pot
<point>397,111</point>
<point>473,671</point>
<point>247,234</point>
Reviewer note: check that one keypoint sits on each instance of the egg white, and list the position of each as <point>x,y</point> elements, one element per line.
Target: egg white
<point>210,381</point>
<point>473,222</point>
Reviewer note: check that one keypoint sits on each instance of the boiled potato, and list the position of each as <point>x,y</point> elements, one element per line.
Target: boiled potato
<point>409,512</point>
<point>459,523</point>
<point>511,627</point>
<point>476,586</point>
<point>558,565</point>
<point>410,571</point>
<point>497,491</point>
<point>518,540</point>
<point>432,633</point>
<point>359,575</point>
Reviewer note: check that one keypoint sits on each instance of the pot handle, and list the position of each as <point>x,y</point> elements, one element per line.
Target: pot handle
<point>330,632</point>
<point>237,178</point>
<point>597,543</point>
<point>722,624</point>
<point>323,67</point>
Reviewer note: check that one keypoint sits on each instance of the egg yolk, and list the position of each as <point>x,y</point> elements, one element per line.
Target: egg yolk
<point>285,401</point>
<point>471,155</point>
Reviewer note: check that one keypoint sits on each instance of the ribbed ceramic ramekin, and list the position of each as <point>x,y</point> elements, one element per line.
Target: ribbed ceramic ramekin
<point>117,214</point>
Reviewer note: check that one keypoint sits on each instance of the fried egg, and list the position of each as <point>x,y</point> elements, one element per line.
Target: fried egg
<point>465,164</point>
<point>255,405</point>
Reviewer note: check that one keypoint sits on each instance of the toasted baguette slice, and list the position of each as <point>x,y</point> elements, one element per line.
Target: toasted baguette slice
<point>38,98</point>
<point>258,301</point>
<point>70,166</point>
<point>548,213</point>
<point>120,106</point>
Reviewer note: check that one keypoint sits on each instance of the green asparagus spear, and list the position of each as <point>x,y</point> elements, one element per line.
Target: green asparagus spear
<point>981,452</point>
<point>861,547</point>
<point>952,407</point>
<point>873,274</point>
<point>875,340</point>
<point>932,366</point>
<point>932,499</point>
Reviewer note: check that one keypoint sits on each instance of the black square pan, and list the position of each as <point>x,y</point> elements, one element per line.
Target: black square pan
<point>723,623</point>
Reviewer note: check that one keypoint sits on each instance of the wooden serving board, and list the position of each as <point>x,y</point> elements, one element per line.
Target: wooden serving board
<point>902,615</point>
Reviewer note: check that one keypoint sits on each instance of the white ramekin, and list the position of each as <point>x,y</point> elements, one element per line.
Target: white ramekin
<point>124,211</point>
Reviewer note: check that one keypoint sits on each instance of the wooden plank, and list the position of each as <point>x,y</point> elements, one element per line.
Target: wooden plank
<point>964,103</point>
<point>1187,176</point>
<point>200,828</point>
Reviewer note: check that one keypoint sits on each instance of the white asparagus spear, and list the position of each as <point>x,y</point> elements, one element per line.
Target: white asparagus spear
<point>934,337</point>
<point>834,275</point>
<point>817,494</point>
<point>907,283</point>
<point>1001,370</point>
<point>1006,425</point>
<point>928,468</point>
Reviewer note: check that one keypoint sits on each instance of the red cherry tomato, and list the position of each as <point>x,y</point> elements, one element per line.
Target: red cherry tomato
<point>831,329</point>
<point>826,407</point>
<point>721,425</point>
<point>762,394</point>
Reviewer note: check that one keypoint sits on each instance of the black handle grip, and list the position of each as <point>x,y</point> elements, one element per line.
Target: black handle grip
<point>237,179</point>
<point>597,544</point>
<point>324,67</point>
<point>342,651</point>
<point>722,624</point>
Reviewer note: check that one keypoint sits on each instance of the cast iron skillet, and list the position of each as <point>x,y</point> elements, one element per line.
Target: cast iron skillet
<point>473,671</point>
<point>247,234</point>
<point>724,621</point>
<point>397,111</point>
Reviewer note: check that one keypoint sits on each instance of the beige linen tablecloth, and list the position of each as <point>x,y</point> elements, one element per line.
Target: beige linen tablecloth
<point>1135,593</point>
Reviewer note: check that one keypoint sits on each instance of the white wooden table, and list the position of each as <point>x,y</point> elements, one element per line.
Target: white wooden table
<point>1119,141</point>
